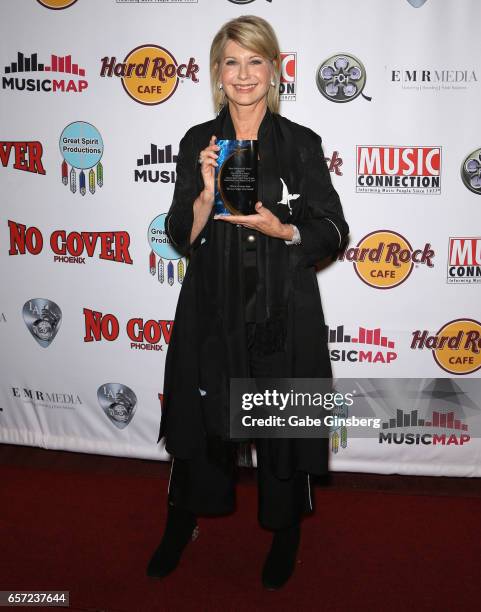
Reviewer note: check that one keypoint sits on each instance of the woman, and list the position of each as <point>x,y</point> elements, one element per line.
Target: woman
<point>249,304</point>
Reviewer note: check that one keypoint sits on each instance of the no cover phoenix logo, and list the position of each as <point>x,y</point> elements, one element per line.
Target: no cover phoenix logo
<point>341,78</point>
<point>82,147</point>
<point>42,318</point>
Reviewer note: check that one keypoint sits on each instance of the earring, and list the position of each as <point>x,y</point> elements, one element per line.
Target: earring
<point>220,86</point>
<point>273,83</point>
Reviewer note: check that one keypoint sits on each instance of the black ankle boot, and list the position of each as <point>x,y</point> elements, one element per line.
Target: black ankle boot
<point>181,526</point>
<point>281,560</point>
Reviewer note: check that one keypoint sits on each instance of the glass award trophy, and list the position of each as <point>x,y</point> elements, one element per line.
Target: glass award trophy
<point>236,177</point>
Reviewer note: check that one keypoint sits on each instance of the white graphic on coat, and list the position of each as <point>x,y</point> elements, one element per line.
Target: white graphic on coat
<point>287,197</point>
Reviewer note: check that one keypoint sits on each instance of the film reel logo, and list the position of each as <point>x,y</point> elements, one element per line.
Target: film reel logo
<point>471,171</point>
<point>341,78</point>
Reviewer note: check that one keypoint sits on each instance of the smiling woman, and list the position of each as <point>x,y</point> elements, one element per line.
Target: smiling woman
<point>249,304</point>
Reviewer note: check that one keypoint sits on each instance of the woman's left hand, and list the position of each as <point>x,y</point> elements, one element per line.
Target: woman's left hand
<point>264,221</point>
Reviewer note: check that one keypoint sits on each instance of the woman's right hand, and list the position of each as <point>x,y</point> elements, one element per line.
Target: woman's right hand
<point>208,162</point>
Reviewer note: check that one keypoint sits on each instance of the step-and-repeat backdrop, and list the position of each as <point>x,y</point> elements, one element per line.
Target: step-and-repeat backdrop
<point>95,97</point>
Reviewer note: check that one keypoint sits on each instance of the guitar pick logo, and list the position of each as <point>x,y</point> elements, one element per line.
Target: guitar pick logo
<point>42,318</point>
<point>416,3</point>
<point>118,402</point>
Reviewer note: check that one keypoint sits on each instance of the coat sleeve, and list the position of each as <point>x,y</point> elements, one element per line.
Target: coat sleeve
<point>324,230</point>
<point>179,219</point>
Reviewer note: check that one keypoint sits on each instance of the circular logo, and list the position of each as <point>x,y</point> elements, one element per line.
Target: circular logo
<point>460,352</point>
<point>159,241</point>
<point>56,5</point>
<point>341,78</point>
<point>81,145</point>
<point>241,1</point>
<point>382,259</point>
<point>153,76</point>
<point>471,171</point>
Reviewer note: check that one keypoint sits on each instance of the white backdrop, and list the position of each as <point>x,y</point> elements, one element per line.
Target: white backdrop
<point>69,378</point>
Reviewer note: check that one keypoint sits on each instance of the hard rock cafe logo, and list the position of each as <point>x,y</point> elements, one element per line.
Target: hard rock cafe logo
<point>456,347</point>
<point>244,1</point>
<point>471,171</point>
<point>42,318</point>
<point>56,5</point>
<point>384,259</point>
<point>150,74</point>
<point>26,156</point>
<point>288,85</point>
<point>82,147</point>
<point>334,163</point>
<point>70,247</point>
<point>145,335</point>
<point>341,78</point>
<point>118,402</point>
<point>43,76</point>
<point>165,263</point>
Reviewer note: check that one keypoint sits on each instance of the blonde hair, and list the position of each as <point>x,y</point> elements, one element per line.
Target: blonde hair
<point>255,34</point>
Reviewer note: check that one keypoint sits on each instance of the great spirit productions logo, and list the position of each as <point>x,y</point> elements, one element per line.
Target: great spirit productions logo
<point>42,318</point>
<point>118,403</point>
<point>384,259</point>
<point>456,347</point>
<point>288,84</point>
<point>82,147</point>
<point>464,260</point>
<point>26,155</point>
<point>44,77</point>
<point>144,334</point>
<point>157,166</point>
<point>72,246</point>
<point>406,170</point>
<point>471,171</point>
<point>150,74</point>
<point>364,346</point>
<point>341,78</point>
<point>163,256</point>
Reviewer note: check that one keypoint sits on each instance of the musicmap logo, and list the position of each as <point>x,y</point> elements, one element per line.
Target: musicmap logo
<point>40,81</point>
<point>341,78</point>
<point>145,335</point>
<point>150,74</point>
<point>456,347</point>
<point>391,169</point>
<point>82,147</point>
<point>159,157</point>
<point>464,260</point>
<point>364,346</point>
<point>288,84</point>
<point>118,403</point>
<point>436,79</point>
<point>384,259</point>
<point>163,254</point>
<point>27,155</point>
<point>56,5</point>
<point>42,318</point>
<point>46,399</point>
<point>70,247</point>
<point>471,171</point>
<point>436,419</point>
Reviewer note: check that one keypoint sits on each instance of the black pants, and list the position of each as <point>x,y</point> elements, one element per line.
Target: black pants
<point>208,488</point>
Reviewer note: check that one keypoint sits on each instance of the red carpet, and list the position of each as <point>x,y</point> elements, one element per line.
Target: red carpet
<point>92,532</point>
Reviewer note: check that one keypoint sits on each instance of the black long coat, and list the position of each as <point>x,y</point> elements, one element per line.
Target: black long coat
<point>208,341</point>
